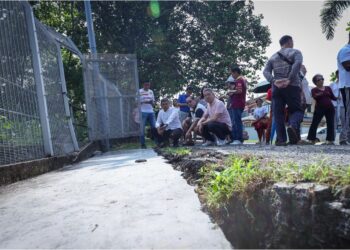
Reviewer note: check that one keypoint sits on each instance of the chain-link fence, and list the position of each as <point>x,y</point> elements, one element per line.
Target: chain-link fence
<point>20,130</point>
<point>111,83</point>
<point>34,120</point>
<point>35,117</point>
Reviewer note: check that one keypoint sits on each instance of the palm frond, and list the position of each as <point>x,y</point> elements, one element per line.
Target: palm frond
<point>330,14</point>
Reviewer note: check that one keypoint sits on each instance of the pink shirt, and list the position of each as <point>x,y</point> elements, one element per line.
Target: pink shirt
<point>218,107</point>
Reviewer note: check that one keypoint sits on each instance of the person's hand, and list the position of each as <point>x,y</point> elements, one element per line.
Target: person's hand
<point>281,83</point>
<point>161,130</point>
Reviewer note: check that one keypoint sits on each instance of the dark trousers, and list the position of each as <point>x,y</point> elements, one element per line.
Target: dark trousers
<point>316,119</point>
<point>219,129</point>
<point>287,96</point>
<point>173,134</point>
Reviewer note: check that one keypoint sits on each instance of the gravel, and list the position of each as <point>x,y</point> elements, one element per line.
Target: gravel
<point>335,155</point>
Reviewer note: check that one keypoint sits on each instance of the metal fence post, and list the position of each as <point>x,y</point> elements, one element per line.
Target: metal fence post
<point>102,92</point>
<point>65,99</point>
<point>44,117</point>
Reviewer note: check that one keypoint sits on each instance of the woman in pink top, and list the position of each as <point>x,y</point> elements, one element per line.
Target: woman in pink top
<point>215,124</point>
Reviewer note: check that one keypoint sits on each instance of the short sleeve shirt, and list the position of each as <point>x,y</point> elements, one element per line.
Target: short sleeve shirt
<point>218,107</point>
<point>182,99</point>
<point>145,96</point>
<point>238,100</point>
<point>344,76</point>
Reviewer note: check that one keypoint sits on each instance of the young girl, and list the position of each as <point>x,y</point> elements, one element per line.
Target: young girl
<point>261,120</point>
<point>324,107</point>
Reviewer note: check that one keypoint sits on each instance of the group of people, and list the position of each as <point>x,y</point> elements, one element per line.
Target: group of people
<point>190,116</point>
<point>285,72</point>
<point>218,123</point>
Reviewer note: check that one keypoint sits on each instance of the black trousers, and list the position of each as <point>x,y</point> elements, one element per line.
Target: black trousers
<point>318,115</point>
<point>217,128</point>
<point>173,134</point>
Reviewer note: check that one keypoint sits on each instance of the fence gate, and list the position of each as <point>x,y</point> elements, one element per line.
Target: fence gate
<point>111,89</point>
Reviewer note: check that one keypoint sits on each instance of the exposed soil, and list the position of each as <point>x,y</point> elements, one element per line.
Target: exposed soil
<point>302,215</point>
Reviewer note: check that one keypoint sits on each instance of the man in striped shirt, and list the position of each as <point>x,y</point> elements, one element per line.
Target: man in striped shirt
<point>286,90</point>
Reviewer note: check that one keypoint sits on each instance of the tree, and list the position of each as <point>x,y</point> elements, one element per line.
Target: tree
<point>330,14</point>
<point>177,43</point>
<point>186,42</point>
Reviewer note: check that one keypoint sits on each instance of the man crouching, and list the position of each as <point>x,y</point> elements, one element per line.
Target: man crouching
<point>168,124</point>
<point>215,124</point>
<point>190,123</point>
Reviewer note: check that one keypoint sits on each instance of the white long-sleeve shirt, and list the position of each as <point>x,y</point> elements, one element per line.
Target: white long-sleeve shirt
<point>170,117</point>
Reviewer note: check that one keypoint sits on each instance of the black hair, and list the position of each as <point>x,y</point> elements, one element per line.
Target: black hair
<point>236,69</point>
<point>314,78</point>
<point>285,39</point>
<point>164,100</point>
<point>202,90</point>
<point>189,88</point>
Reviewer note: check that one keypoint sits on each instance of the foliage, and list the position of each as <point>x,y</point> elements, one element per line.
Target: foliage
<point>176,43</point>
<point>330,15</point>
<point>242,176</point>
<point>333,77</point>
<point>20,132</point>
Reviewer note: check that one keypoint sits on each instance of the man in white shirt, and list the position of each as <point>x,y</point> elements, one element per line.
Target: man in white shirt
<point>343,60</point>
<point>168,124</point>
<point>339,114</point>
<point>146,101</point>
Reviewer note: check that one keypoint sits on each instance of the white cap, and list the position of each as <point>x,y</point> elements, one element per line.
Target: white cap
<point>230,79</point>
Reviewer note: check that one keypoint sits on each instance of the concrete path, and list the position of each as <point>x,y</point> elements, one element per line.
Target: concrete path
<point>107,202</point>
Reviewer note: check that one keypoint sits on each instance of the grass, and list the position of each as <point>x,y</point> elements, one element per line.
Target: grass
<point>177,151</point>
<point>244,175</point>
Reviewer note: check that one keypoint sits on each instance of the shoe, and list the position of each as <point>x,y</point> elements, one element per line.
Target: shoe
<point>220,142</point>
<point>143,146</point>
<point>328,143</point>
<point>344,143</point>
<point>292,135</point>
<point>303,142</point>
<point>208,143</point>
<point>188,143</point>
<point>280,143</point>
<point>236,142</point>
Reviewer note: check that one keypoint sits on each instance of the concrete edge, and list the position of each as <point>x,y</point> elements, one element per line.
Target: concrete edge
<point>23,170</point>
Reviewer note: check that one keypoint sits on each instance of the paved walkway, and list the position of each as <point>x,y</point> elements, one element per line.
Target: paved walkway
<point>107,201</point>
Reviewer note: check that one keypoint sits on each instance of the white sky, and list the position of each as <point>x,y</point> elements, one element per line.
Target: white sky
<point>301,20</point>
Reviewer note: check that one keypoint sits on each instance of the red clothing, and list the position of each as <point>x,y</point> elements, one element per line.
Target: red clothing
<point>269,95</point>
<point>323,97</point>
<point>238,100</point>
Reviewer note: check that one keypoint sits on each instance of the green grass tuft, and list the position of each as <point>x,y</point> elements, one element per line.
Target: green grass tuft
<point>177,151</point>
<point>243,175</point>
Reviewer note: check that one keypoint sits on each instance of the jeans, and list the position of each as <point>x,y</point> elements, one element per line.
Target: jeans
<point>150,117</point>
<point>237,125</point>
<point>287,96</point>
<point>217,128</point>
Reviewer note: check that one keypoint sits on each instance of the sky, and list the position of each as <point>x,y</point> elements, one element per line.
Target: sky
<point>301,20</point>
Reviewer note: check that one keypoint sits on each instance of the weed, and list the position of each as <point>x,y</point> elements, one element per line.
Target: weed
<point>177,151</point>
<point>244,175</point>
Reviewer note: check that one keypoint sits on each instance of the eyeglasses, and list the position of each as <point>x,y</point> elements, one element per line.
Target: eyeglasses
<point>320,79</point>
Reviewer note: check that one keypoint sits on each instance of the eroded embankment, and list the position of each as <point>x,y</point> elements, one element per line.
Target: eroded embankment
<point>266,205</point>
